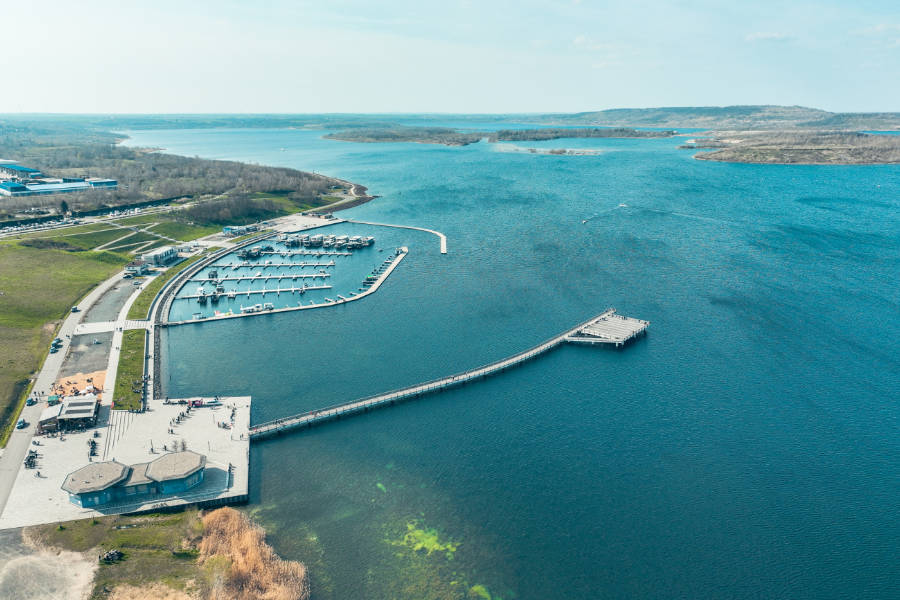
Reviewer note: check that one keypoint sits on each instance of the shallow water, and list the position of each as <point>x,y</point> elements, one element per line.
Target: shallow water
<point>746,448</point>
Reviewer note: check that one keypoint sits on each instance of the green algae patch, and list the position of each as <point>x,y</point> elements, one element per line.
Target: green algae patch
<point>479,592</point>
<point>426,539</point>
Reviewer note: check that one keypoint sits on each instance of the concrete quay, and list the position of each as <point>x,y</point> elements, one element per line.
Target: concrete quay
<point>133,438</point>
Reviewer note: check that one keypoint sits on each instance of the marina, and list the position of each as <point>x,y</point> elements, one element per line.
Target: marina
<point>608,326</point>
<point>370,285</point>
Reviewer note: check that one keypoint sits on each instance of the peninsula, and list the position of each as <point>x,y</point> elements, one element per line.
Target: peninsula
<point>799,148</point>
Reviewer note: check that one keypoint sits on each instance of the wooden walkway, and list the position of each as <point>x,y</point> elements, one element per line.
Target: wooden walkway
<point>310,418</point>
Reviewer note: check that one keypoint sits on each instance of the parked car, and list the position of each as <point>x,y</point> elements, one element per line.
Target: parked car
<point>30,402</point>
<point>54,349</point>
<point>21,424</point>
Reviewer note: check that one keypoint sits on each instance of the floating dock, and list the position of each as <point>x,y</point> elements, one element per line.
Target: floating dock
<point>307,252</point>
<point>265,277</point>
<point>262,265</point>
<point>605,326</point>
<point>235,293</point>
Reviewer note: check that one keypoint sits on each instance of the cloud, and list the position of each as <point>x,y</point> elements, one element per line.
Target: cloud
<point>879,29</point>
<point>584,42</point>
<point>767,36</point>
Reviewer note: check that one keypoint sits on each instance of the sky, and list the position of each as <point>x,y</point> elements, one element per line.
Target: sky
<point>451,56</point>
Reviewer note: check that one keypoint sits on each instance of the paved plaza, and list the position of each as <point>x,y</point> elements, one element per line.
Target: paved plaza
<point>132,438</point>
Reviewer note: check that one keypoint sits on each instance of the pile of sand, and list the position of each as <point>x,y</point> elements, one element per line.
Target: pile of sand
<point>67,386</point>
<point>255,572</point>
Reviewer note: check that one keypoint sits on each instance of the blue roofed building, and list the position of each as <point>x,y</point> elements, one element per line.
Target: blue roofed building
<point>110,481</point>
<point>18,172</point>
<point>18,180</point>
<point>12,188</point>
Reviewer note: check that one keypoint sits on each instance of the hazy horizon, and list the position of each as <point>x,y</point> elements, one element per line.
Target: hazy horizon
<point>350,57</point>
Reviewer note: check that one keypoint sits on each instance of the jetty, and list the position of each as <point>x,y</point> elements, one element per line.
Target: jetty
<point>441,236</point>
<point>606,328</point>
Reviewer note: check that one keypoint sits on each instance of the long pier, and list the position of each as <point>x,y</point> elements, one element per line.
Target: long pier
<point>597,328</point>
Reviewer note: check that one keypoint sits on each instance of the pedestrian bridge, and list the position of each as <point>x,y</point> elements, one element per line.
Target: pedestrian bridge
<point>606,328</point>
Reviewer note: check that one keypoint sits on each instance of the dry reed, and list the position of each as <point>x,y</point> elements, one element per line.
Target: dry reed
<point>254,571</point>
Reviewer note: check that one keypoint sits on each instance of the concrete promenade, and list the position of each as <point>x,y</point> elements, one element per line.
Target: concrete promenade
<point>311,418</point>
<point>132,438</point>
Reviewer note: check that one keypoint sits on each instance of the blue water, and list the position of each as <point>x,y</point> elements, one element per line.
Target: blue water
<point>746,448</point>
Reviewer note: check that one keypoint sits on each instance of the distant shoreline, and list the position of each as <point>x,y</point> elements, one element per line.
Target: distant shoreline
<point>798,148</point>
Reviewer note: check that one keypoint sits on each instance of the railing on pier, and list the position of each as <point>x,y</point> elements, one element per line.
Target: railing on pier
<point>310,418</point>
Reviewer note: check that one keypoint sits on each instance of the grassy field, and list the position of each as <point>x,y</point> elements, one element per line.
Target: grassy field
<point>38,286</point>
<point>142,303</point>
<point>130,372</point>
<point>157,548</point>
<point>184,231</point>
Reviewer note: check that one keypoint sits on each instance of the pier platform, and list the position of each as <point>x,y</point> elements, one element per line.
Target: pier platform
<point>610,328</point>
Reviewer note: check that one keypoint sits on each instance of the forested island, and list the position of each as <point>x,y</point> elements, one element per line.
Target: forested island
<point>536,135</point>
<point>454,137</point>
<point>420,135</point>
<point>809,148</point>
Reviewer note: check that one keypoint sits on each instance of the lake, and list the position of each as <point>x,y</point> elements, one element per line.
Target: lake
<point>747,447</point>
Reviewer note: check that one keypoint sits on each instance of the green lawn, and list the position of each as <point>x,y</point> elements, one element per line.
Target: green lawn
<point>38,287</point>
<point>89,241</point>
<point>142,303</point>
<point>185,232</point>
<point>130,372</point>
